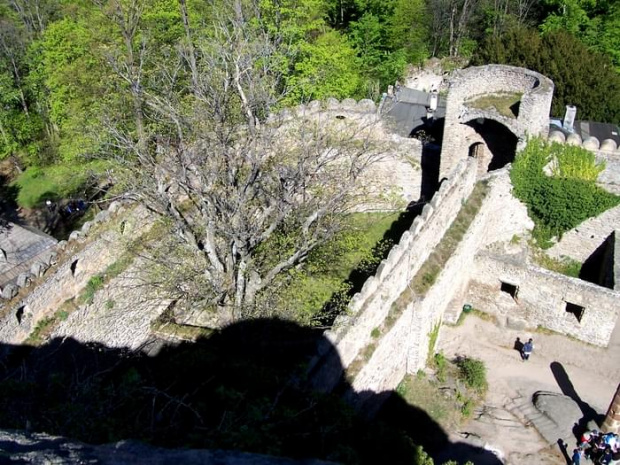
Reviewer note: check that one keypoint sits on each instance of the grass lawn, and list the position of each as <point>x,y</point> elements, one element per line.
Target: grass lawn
<point>334,272</point>
<point>506,104</point>
<point>53,182</point>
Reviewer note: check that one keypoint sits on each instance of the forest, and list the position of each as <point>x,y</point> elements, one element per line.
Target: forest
<point>70,67</point>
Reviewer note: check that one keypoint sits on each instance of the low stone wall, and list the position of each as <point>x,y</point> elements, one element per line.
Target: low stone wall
<point>581,242</point>
<point>542,298</point>
<point>369,308</point>
<point>66,272</point>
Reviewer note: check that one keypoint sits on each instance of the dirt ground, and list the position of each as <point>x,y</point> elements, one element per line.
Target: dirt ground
<point>594,372</point>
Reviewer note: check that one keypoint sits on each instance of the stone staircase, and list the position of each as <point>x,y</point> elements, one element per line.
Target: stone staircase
<point>524,409</point>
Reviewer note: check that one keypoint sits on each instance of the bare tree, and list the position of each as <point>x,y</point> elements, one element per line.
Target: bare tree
<point>246,195</point>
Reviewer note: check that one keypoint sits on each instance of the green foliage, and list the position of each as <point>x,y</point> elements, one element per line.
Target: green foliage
<point>55,182</point>
<point>474,373</point>
<point>573,162</point>
<point>322,289</point>
<point>568,62</point>
<point>92,286</point>
<point>440,363</point>
<point>325,68</point>
<point>432,339</point>
<point>558,204</point>
<point>565,265</point>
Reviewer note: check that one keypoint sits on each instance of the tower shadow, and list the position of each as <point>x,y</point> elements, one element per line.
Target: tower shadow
<point>567,388</point>
<point>243,388</point>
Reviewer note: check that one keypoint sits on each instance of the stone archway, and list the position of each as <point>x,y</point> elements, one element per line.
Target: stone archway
<point>499,141</point>
<point>475,112</point>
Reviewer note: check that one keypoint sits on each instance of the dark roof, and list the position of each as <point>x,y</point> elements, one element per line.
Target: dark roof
<point>22,246</point>
<point>587,129</point>
<point>407,111</point>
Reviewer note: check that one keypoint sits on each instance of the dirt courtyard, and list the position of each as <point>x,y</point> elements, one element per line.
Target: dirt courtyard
<point>501,424</point>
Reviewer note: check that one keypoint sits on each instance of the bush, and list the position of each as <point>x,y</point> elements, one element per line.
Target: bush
<point>474,373</point>
<point>560,202</point>
<point>440,366</point>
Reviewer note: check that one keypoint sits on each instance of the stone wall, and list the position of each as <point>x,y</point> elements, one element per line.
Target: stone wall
<point>542,298</point>
<point>581,242</point>
<point>404,349</point>
<point>369,308</point>
<point>67,270</point>
<point>471,83</point>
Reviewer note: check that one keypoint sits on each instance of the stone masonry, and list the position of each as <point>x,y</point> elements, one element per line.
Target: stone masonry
<point>468,84</point>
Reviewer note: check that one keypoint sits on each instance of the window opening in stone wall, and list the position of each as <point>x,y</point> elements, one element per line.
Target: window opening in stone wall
<point>511,289</point>
<point>500,142</point>
<point>20,314</point>
<point>475,150</point>
<point>576,310</point>
<point>74,267</point>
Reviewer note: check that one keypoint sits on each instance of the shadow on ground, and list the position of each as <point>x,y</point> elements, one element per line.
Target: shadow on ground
<point>567,388</point>
<point>243,388</point>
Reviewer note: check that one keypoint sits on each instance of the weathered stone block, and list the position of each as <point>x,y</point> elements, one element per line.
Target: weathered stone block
<point>24,279</point>
<point>9,291</point>
<point>114,206</point>
<point>348,103</point>
<point>74,236</point>
<point>62,245</point>
<point>366,105</point>
<point>86,227</point>
<point>102,216</point>
<point>38,268</point>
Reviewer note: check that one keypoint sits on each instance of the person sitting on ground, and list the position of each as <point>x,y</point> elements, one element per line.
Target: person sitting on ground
<point>527,350</point>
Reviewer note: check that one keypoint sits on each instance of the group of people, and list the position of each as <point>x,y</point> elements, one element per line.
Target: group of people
<point>70,208</point>
<point>600,448</point>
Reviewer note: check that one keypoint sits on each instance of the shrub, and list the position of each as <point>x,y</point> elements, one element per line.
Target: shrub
<point>440,366</point>
<point>560,202</point>
<point>474,373</point>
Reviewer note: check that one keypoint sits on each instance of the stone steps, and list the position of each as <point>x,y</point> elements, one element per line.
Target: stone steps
<point>524,409</point>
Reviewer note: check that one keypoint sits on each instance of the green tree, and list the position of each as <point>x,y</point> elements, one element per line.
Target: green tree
<point>325,68</point>
<point>568,62</point>
<point>408,29</point>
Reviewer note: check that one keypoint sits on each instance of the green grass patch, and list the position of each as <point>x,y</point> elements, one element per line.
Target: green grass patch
<point>46,326</point>
<point>316,293</point>
<point>430,270</point>
<point>432,340</point>
<point>475,312</point>
<point>505,103</point>
<point>566,266</point>
<point>37,184</point>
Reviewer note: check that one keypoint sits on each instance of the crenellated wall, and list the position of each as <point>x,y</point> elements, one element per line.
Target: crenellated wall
<point>369,308</point>
<point>67,270</point>
<point>404,349</point>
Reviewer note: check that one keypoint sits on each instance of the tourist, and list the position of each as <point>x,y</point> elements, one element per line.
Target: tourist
<point>606,457</point>
<point>576,459</point>
<point>528,347</point>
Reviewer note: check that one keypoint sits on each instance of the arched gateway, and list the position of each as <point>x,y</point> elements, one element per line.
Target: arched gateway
<point>490,112</point>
